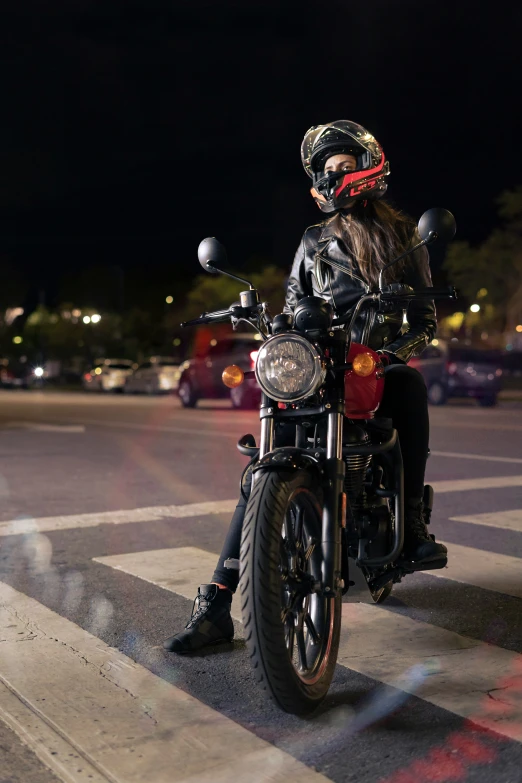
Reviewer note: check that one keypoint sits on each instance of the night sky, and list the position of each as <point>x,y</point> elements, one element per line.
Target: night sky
<point>131,129</point>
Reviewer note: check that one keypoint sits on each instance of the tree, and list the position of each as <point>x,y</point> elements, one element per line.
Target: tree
<point>495,265</point>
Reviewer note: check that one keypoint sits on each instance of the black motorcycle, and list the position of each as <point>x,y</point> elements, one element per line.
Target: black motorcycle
<point>327,477</point>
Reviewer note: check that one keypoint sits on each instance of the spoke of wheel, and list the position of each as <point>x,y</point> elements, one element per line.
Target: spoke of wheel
<point>299,526</point>
<point>312,629</point>
<point>301,648</point>
<point>290,640</point>
<point>289,533</point>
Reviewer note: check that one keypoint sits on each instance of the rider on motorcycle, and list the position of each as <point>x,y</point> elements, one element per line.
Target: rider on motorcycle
<point>339,260</point>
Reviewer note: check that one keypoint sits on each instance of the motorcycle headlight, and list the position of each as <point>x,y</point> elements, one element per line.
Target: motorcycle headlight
<point>289,368</point>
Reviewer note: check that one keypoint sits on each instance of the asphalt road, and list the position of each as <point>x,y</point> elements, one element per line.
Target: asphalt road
<point>103,540</point>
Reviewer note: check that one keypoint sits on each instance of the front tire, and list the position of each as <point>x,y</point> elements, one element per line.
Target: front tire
<point>187,394</point>
<point>489,401</point>
<point>292,633</point>
<point>437,394</point>
<point>242,400</point>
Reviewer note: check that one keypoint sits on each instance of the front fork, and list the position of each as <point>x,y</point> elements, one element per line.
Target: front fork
<point>334,470</point>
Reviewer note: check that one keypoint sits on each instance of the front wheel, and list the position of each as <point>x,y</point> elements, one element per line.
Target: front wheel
<point>292,632</point>
<point>437,394</point>
<point>187,394</point>
<point>489,401</point>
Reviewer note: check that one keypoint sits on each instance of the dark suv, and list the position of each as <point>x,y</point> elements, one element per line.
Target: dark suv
<point>201,375</point>
<point>456,370</point>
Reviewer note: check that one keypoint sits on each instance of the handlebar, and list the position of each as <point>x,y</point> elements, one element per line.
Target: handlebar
<point>209,318</point>
<point>421,293</point>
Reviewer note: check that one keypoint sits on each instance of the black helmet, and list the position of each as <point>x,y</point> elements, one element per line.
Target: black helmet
<point>334,191</point>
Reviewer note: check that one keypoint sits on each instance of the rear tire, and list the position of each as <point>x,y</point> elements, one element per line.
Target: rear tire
<point>284,626</point>
<point>488,402</point>
<point>437,394</point>
<point>242,400</point>
<point>187,394</point>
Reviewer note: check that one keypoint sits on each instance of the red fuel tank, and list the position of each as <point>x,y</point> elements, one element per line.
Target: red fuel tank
<point>363,394</point>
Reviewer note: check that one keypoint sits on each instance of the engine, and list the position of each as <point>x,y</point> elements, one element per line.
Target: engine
<point>356,465</point>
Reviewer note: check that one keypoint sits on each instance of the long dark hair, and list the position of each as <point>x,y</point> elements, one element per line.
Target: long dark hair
<point>374,234</point>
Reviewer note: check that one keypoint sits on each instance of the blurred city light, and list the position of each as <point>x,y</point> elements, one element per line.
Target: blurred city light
<point>17,340</point>
<point>38,371</point>
<point>482,293</point>
<point>76,313</point>
<point>475,308</point>
<point>177,340</point>
<point>86,319</point>
<point>96,318</point>
<point>435,342</point>
<point>169,299</point>
<point>98,371</point>
<point>519,327</point>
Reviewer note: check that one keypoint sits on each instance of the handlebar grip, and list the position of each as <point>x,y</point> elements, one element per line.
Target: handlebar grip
<point>448,292</point>
<point>208,318</point>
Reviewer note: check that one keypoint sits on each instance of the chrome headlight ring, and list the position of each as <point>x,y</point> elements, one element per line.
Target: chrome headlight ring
<point>289,368</point>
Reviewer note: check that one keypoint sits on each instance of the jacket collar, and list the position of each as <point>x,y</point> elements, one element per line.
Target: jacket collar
<point>330,229</point>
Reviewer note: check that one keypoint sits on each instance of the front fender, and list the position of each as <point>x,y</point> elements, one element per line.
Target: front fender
<point>288,458</point>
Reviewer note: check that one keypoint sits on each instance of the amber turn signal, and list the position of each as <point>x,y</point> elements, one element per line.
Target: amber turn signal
<point>233,376</point>
<point>363,364</point>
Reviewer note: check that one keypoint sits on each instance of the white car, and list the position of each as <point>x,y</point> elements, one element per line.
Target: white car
<point>158,374</point>
<point>108,375</point>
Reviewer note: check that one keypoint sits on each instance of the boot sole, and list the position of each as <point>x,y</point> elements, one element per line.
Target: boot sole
<point>214,643</point>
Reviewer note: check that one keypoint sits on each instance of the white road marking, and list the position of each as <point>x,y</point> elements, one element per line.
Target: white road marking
<point>122,517</point>
<point>65,692</point>
<point>486,482</point>
<point>376,642</point>
<point>482,457</point>
<point>478,567</point>
<point>42,427</point>
<point>506,520</point>
<point>151,513</point>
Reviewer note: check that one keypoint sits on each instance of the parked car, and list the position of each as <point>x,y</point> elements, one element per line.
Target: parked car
<point>456,370</point>
<point>201,375</point>
<point>156,375</point>
<point>107,375</point>
<point>512,364</point>
<point>13,374</point>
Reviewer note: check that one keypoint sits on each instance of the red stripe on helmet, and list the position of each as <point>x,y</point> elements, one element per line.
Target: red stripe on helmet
<point>357,176</point>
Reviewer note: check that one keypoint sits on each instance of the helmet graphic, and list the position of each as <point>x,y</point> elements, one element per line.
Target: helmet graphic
<point>335,190</point>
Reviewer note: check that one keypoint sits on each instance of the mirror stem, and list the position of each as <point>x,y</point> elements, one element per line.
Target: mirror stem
<point>432,236</point>
<point>229,274</point>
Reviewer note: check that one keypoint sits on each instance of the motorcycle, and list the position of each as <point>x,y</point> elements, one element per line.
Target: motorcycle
<point>327,477</point>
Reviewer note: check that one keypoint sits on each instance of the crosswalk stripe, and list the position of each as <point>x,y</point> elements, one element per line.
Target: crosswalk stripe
<point>478,567</point>
<point>91,713</point>
<point>481,457</point>
<point>375,642</point>
<point>22,525</point>
<point>505,520</point>
<point>484,482</point>
<point>121,517</point>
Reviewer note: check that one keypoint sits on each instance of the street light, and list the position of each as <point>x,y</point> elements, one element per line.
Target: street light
<point>475,308</point>
<point>518,327</point>
<point>169,299</point>
<point>86,319</point>
<point>17,340</point>
<point>96,318</point>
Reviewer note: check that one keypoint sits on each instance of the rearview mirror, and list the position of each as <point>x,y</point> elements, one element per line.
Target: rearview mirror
<point>211,255</point>
<point>437,224</point>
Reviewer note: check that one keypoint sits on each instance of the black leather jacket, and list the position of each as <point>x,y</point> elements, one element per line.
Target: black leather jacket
<point>322,267</point>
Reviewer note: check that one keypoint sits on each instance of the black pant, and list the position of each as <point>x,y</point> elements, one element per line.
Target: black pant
<point>405,402</point>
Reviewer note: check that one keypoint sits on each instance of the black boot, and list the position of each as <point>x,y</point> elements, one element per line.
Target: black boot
<point>418,544</point>
<point>209,624</point>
